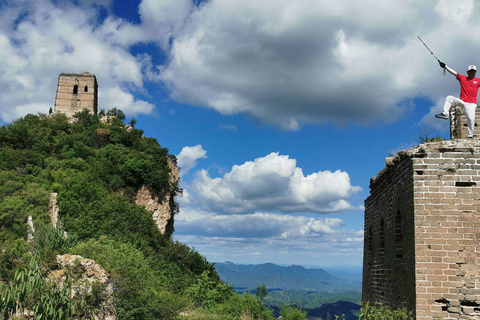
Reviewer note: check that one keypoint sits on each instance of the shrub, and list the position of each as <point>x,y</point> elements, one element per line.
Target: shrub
<point>378,311</point>
<point>292,313</point>
<point>141,290</point>
<point>245,306</point>
<point>208,291</point>
<point>45,298</point>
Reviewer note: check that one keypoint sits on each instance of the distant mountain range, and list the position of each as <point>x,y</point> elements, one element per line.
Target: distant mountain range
<point>293,277</point>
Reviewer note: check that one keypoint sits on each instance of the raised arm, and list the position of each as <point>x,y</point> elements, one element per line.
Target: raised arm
<point>443,65</point>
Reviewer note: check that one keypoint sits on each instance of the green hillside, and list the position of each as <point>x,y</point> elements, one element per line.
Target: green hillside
<point>97,169</point>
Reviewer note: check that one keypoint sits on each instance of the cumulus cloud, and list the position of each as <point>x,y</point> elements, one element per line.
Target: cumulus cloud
<point>40,39</point>
<point>306,61</point>
<point>273,183</point>
<point>266,211</point>
<point>187,158</point>
<point>281,62</point>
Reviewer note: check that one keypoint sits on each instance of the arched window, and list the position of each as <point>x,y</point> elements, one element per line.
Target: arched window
<point>75,89</point>
<point>381,247</point>
<point>85,89</point>
<point>398,236</point>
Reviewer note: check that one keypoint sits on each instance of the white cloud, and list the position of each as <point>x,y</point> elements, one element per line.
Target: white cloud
<point>254,225</point>
<point>112,97</point>
<point>281,62</point>
<point>260,237</point>
<point>187,158</point>
<point>163,20</point>
<point>40,40</point>
<point>307,61</point>
<point>273,183</point>
<point>458,11</point>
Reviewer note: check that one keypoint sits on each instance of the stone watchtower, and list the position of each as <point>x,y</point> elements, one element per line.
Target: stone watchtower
<point>76,92</point>
<point>422,230</point>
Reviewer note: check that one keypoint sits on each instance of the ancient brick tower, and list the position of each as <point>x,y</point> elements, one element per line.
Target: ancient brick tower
<point>422,230</point>
<point>76,92</point>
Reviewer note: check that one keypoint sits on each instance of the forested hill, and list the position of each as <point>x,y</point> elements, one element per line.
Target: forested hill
<point>96,169</point>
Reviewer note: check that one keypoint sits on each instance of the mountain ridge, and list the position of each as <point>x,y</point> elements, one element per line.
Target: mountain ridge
<point>294,277</point>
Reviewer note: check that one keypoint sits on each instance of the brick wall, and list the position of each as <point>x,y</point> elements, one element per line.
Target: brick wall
<point>388,272</point>
<point>76,92</point>
<point>447,230</point>
<point>435,189</point>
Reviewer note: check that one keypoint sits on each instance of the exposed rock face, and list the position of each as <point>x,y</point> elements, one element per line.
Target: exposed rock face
<point>53,209</point>
<point>162,209</point>
<point>88,273</point>
<point>31,229</point>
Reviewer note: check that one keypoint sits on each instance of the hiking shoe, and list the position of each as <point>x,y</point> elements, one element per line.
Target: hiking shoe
<point>441,116</point>
<point>470,137</point>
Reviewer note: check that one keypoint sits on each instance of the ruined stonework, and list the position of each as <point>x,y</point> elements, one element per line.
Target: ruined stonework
<point>422,231</point>
<point>458,123</point>
<point>76,92</point>
<point>162,209</point>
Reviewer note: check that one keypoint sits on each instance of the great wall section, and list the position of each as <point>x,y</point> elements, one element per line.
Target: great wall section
<point>422,229</point>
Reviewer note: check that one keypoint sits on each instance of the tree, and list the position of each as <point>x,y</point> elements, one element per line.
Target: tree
<point>425,134</point>
<point>261,291</point>
<point>116,113</point>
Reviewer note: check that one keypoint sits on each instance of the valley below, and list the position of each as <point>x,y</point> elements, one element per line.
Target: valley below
<point>322,293</point>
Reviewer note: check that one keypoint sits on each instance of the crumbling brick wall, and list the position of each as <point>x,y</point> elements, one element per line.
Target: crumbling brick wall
<point>458,123</point>
<point>442,228</point>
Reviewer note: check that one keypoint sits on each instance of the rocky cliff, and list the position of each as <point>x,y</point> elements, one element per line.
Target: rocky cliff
<point>162,209</point>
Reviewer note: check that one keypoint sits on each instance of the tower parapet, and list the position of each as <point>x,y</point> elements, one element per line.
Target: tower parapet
<point>76,92</point>
<point>458,123</point>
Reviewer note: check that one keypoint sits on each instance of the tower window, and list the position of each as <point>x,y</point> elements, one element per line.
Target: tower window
<point>85,89</point>
<point>75,89</point>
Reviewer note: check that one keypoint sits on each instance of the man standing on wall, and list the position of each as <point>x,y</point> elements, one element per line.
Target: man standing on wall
<point>468,96</point>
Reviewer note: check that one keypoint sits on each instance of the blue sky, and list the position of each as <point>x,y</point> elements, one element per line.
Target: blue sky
<point>279,111</point>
